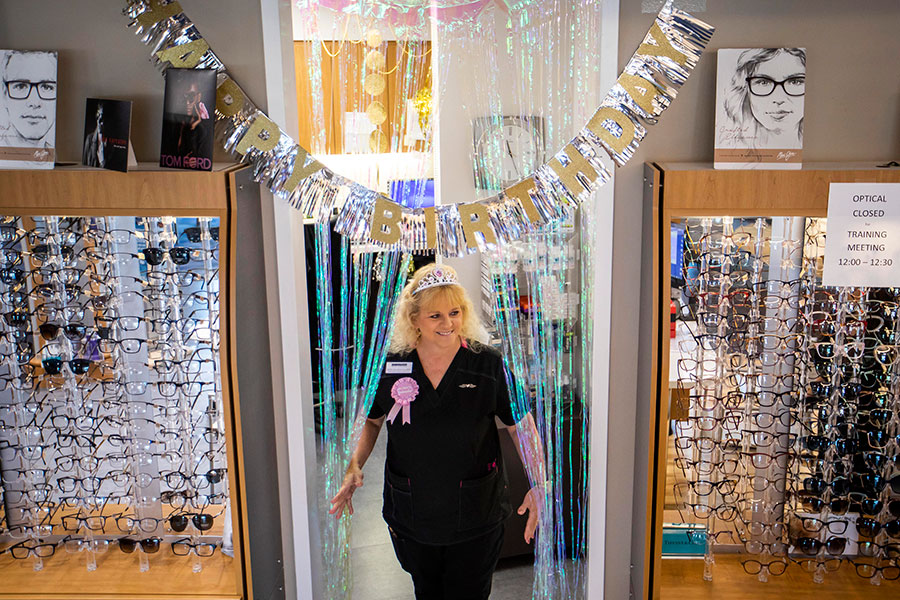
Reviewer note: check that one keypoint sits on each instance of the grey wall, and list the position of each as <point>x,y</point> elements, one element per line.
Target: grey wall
<point>257,408</point>
<point>99,56</point>
<point>852,114</point>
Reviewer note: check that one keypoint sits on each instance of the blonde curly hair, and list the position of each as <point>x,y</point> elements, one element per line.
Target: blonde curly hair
<point>406,335</point>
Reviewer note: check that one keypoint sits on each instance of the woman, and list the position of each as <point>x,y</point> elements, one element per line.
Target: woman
<point>765,99</point>
<point>445,492</point>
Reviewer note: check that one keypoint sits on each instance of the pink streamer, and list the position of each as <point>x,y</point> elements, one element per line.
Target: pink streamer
<point>406,13</point>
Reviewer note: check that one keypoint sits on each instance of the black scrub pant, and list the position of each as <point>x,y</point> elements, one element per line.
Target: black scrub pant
<point>456,572</point>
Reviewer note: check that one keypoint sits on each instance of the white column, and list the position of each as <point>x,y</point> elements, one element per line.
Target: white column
<point>602,263</point>
<point>289,329</point>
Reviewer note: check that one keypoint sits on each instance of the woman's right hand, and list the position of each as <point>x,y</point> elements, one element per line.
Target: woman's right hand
<point>344,498</point>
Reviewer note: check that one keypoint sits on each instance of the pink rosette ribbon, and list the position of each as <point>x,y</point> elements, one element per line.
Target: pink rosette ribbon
<point>404,391</point>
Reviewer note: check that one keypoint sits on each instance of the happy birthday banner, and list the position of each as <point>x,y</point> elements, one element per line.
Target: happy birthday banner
<point>649,83</point>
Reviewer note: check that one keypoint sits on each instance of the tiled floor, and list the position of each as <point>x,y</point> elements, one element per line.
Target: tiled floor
<point>377,574</point>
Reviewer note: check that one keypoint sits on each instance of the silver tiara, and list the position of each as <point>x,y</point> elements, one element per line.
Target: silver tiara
<point>439,276</point>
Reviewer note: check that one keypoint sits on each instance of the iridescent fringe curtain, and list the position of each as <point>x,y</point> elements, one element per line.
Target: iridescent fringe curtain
<point>533,61</point>
<point>352,353</point>
<point>548,372</point>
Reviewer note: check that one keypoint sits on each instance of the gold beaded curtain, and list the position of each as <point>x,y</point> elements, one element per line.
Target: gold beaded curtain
<point>357,78</point>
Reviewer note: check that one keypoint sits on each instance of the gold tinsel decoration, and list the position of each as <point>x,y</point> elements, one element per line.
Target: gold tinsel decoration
<point>422,102</point>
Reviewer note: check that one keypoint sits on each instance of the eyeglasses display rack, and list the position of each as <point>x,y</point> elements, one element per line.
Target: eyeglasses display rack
<point>119,437</point>
<point>781,449</point>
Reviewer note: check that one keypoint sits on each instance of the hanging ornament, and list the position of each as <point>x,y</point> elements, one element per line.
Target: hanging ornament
<point>375,60</point>
<point>378,142</point>
<point>373,38</point>
<point>377,113</point>
<point>375,84</point>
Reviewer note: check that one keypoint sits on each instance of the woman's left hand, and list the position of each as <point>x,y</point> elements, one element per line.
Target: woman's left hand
<point>532,503</point>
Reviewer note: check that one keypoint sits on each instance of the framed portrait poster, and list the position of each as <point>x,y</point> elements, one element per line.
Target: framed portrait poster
<point>28,111</point>
<point>759,108</point>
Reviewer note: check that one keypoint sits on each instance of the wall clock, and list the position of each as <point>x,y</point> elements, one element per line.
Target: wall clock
<point>506,149</point>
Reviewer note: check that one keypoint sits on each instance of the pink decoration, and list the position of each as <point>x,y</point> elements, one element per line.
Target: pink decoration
<point>404,391</point>
<point>409,13</point>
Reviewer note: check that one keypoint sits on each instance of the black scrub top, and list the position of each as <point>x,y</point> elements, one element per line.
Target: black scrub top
<point>444,481</point>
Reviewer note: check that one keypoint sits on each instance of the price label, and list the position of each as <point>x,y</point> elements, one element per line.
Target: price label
<point>862,244</point>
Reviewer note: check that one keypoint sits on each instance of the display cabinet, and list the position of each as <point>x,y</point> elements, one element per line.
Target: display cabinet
<point>120,432</point>
<point>773,433</point>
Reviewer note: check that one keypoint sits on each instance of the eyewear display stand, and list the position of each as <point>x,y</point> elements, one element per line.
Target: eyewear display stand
<point>120,446</point>
<point>770,415</point>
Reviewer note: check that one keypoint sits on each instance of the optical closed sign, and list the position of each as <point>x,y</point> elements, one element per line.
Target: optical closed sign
<point>862,246</point>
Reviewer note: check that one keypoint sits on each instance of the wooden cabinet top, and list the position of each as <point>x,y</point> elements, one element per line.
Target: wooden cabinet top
<point>146,189</point>
<point>697,189</point>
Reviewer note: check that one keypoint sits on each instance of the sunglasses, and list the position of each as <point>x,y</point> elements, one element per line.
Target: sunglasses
<point>53,365</point>
<point>43,252</point>
<point>202,522</point>
<point>833,545</point>
<point>148,545</point>
<point>179,255</point>
<point>73,331</point>
<point>868,527</point>
<point>195,234</point>
<point>12,275</point>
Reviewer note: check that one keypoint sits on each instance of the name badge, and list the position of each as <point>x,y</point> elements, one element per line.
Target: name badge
<point>398,367</point>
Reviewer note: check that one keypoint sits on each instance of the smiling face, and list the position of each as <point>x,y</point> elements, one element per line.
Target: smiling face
<point>440,323</point>
<point>31,117</point>
<point>779,112</point>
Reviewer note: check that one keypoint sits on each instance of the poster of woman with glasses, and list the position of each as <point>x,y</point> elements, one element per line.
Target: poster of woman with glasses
<point>27,109</point>
<point>759,108</point>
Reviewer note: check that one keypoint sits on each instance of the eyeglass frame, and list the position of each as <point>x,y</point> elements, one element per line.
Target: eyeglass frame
<point>32,85</point>
<point>775,85</point>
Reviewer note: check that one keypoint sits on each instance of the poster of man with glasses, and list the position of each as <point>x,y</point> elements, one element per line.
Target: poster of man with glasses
<point>28,110</point>
<point>759,108</point>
